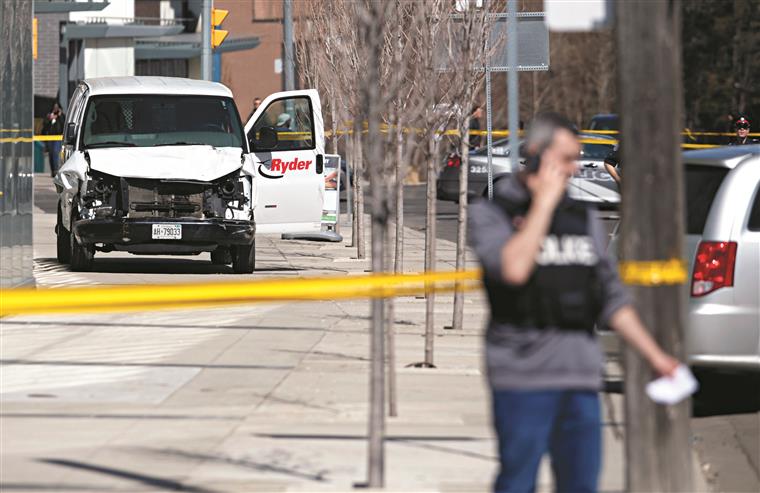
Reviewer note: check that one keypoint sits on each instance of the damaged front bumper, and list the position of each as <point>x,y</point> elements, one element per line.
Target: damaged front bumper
<point>200,234</point>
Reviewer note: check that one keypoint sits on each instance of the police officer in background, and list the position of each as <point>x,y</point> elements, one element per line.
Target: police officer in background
<point>548,282</point>
<point>742,133</point>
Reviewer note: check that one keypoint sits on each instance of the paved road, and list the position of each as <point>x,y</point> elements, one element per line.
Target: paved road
<point>414,206</point>
<point>727,426</point>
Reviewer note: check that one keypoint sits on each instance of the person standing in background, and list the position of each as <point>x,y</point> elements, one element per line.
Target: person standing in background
<point>475,116</point>
<point>256,104</point>
<point>53,125</point>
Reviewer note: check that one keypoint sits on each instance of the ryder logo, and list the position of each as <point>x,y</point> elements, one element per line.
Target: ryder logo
<point>278,165</point>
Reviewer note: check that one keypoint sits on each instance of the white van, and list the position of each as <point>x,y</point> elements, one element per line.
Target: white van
<point>164,166</point>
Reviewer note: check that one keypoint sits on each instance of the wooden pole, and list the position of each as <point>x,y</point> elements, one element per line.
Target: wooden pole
<point>658,452</point>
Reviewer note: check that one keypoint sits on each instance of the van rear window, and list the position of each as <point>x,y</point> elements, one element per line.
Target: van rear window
<point>702,183</point>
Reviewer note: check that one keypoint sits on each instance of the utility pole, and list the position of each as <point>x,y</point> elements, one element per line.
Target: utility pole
<point>658,451</point>
<point>206,40</point>
<point>513,89</point>
<point>287,27</point>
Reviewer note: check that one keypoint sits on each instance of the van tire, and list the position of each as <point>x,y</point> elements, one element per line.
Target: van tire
<point>63,245</point>
<point>244,258</point>
<point>221,256</point>
<point>81,255</point>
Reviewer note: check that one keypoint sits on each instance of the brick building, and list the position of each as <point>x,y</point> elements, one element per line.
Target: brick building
<point>155,37</point>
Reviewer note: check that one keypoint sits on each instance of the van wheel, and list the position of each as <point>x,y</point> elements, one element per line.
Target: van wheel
<point>81,255</point>
<point>63,245</point>
<point>221,256</point>
<point>244,258</point>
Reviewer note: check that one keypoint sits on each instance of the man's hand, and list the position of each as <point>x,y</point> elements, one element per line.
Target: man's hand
<point>664,364</point>
<point>548,185</point>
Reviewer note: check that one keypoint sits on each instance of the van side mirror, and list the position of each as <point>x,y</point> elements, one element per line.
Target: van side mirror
<point>320,167</point>
<point>70,135</point>
<point>266,141</point>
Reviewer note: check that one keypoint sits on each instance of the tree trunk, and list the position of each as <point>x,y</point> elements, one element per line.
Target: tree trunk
<point>658,452</point>
<point>464,167</point>
<point>430,244</point>
<point>359,190</point>
<point>351,155</point>
<point>398,264</point>
<point>390,332</point>
<point>372,27</point>
<point>334,124</point>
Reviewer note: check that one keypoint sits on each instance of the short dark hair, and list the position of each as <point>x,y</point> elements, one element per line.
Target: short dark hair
<point>541,130</point>
<point>541,133</point>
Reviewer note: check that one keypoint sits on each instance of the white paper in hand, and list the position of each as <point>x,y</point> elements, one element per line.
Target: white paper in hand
<point>672,390</point>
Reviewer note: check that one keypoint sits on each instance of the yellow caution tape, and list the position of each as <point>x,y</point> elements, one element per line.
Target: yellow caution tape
<point>15,140</point>
<point>653,272</point>
<point>153,297</point>
<point>48,138</point>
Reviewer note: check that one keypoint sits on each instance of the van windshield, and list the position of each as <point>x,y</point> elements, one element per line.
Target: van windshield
<point>161,120</point>
<point>702,184</point>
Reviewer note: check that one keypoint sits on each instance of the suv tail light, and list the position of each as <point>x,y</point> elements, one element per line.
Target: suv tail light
<point>713,267</point>
<point>453,161</point>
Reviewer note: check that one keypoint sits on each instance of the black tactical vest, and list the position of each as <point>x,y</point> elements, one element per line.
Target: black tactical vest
<point>563,291</point>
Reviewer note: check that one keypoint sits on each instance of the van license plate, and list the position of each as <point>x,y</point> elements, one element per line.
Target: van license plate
<point>167,232</point>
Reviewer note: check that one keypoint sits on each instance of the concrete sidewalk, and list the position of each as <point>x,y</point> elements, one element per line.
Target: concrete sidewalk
<point>246,398</point>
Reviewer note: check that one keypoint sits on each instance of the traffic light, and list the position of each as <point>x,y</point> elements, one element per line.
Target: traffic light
<point>217,35</point>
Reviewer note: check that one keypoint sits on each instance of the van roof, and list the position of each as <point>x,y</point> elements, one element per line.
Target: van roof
<point>155,85</point>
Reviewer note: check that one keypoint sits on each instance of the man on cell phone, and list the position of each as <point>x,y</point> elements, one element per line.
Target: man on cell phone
<point>549,281</point>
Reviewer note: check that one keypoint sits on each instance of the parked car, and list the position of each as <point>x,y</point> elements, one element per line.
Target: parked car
<point>592,183</point>
<point>723,249</point>
<point>161,165</point>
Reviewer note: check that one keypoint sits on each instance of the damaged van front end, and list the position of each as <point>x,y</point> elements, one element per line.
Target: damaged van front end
<point>158,210</point>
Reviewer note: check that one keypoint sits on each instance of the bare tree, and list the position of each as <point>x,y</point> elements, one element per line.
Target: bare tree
<point>473,30</point>
<point>332,49</point>
<point>372,17</point>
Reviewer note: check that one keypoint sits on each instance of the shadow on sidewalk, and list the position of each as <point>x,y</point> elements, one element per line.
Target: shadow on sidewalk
<point>153,481</point>
<point>318,476</point>
<point>121,325</point>
<point>143,364</point>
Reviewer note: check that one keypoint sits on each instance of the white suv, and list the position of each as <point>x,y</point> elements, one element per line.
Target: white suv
<point>159,165</point>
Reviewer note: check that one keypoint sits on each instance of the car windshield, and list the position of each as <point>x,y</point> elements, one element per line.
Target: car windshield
<point>596,151</point>
<point>161,120</point>
<point>609,122</point>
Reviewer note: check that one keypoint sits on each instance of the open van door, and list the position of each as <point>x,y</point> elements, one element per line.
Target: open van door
<point>287,141</point>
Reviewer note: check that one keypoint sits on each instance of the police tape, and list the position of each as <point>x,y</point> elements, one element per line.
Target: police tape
<point>48,138</point>
<point>651,273</point>
<point>174,296</point>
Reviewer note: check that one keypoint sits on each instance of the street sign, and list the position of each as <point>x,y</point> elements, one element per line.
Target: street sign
<point>330,205</point>
<point>578,15</point>
<point>532,44</point>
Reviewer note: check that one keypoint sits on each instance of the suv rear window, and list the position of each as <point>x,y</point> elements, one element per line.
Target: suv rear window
<point>754,215</point>
<point>702,183</point>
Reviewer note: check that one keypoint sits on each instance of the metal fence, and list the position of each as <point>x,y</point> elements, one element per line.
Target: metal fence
<point>16,132</point>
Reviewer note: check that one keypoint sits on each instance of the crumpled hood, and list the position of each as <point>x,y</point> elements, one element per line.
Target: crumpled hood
<point>197,162</point>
